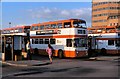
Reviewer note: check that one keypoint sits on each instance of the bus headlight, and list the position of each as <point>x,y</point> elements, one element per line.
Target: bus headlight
<point>77,52</point>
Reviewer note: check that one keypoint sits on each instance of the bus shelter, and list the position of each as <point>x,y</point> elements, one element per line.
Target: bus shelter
<point>11,47</point>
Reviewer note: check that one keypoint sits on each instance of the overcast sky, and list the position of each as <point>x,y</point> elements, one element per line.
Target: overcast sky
<point>27,13</point>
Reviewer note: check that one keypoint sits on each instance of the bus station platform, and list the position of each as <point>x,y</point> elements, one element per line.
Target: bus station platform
<point>26,63</point>
<point>36,61</point>
<point>41,61</point>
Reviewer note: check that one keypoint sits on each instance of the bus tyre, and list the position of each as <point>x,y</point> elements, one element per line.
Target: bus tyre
<point>103,51</point>
<point>60,54</point>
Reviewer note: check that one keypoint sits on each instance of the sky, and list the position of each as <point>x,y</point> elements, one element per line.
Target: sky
<point>27,13</point>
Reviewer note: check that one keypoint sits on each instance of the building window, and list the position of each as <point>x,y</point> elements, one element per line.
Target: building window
<point>105,14</point>
<point>110,24</point>
<point>99,21</point>
<point>110,42</point>
<point>116,24</point>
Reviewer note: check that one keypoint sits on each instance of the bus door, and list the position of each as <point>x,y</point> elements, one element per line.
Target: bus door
<point>68,44</point>
<point>92,42</point>
<point>92,46</point>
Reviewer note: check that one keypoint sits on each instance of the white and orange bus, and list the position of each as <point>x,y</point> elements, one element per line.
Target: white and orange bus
<point>23,31</point>
<point>106,40</point>
<point>67,37</point>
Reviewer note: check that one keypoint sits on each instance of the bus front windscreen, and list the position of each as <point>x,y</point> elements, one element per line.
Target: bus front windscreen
<point>79,24</point>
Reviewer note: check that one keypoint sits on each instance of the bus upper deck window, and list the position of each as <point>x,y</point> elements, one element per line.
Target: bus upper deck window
<point>33,28</point>
<point>48,26</point>
<point>67,24</point>
<point>41,27</point>
<point>20,30</point>
<point>36,27</point>
<point>53,26</point>
<point>59,25</point>
<point>75,24</point>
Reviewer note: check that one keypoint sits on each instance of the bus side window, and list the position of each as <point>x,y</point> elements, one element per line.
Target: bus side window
<point>110,42</point>
<point>48,26</point>
<point>33,41</point>
<point>46,41</point>
<point>69,42</point>
<point>53,26</point>
<point>117,43</point>
<point>20,30</point>
<point>36,27</point>
<point>36,41</point>
<point>40,41</point>
<point>33,28</point>
<point>41,27</point>
<point>52,41</point>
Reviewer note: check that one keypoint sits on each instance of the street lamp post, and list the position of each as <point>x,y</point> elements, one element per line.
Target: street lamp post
<point>9,24</point>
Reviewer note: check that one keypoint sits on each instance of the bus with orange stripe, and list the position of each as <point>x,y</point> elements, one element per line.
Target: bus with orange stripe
<point>67,37</point>
<point>105,40</point>
<point>22,30</point>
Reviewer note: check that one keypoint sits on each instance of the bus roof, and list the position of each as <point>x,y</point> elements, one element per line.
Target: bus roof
<point>59,21</point>
<point>11,28</point>
<point>102,27</point>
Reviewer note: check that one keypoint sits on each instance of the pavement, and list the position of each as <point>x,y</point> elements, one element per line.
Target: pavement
<point>37,61</point>
<point>25,63</point>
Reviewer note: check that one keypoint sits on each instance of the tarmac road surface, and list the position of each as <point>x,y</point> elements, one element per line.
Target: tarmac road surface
<point>104,67</point>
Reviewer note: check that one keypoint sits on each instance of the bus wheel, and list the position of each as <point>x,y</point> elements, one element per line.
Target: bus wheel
<point>60,54</point>
<point>103,51</point>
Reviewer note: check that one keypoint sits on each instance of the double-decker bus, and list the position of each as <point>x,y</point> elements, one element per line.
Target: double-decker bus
<point>105,40</point>
<point>67,37</point>
<point>23,31</point>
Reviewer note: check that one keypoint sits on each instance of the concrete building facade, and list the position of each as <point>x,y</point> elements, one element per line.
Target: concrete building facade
<point>105,13</point>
